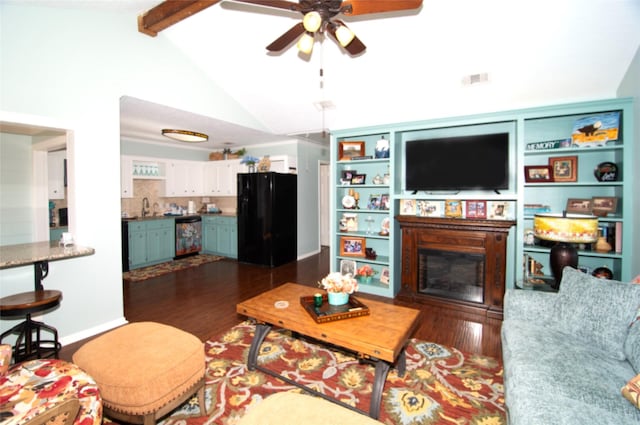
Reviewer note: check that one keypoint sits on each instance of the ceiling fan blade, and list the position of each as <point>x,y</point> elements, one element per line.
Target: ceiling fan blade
<point>278,4</point>
<point>287,38</point>
<point>355,47</point>
<point>363,7</point>
<point>170,12</point>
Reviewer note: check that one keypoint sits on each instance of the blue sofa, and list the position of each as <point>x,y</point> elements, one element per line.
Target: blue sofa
<point>567,355</point>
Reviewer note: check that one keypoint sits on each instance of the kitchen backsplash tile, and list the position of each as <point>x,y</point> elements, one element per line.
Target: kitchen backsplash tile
<point>154,189</point>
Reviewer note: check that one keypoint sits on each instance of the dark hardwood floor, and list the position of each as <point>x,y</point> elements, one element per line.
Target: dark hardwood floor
<point>202,300</point>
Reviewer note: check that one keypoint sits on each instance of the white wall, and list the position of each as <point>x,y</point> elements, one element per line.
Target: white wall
<point>72,67</point>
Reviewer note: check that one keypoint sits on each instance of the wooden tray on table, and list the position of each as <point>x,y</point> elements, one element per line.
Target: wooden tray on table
<point>330,313</point>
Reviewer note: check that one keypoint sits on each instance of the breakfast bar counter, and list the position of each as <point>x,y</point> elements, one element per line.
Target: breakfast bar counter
<point>39,254</point>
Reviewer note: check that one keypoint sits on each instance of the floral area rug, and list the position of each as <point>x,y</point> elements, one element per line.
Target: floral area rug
<point>441,385</point>
<point>145,273</point>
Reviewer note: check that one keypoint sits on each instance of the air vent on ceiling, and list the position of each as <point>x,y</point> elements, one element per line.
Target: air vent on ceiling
<point>472,79</point>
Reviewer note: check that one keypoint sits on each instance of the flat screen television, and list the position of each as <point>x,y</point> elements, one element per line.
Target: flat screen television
<point>477,162</point>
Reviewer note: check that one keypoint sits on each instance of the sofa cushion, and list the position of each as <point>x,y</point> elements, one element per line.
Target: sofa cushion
<point>631,391</point>
<point>596,311</point>
<point>554,378</point>
<point>632,343</point>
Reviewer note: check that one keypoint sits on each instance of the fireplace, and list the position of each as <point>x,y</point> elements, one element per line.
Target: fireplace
<point>454,263</point>
<point>453,275</point>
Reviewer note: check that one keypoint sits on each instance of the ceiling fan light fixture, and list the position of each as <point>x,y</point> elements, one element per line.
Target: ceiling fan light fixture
<point>344,35</point>
<point>312,21</point>
<point>305,43</point>
<point>185,135</point>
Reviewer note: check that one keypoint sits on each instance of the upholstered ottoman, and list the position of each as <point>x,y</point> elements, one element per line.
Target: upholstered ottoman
<point>288,408</point>
<point>144,370</point>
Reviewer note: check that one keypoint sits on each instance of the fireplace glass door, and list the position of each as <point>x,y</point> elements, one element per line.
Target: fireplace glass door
<point>450,274</point>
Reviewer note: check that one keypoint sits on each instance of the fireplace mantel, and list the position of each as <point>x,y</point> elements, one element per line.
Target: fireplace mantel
<point>487,237</point>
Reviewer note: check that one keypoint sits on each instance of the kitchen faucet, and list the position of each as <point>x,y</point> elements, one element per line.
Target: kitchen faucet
<point>145,207</point>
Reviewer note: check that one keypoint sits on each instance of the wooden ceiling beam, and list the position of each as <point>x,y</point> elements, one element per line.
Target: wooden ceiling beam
<point>170,12</point>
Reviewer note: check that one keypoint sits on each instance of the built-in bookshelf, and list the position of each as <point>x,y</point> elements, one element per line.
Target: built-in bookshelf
<point>530,131</point>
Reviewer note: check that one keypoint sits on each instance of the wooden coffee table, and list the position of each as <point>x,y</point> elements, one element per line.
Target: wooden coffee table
<point>379,337</point>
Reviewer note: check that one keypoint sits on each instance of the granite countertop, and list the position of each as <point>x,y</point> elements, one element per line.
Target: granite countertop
<point>30,253</point>
<point>161,217</point>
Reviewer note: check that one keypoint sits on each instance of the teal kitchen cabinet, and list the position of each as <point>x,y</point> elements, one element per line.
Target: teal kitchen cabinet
<point>220,236</point>
<point>55,233</point>
<point>151,242</point>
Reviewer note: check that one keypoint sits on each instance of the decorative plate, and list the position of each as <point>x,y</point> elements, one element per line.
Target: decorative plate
<point>348,202</point>
<point>606,172</point>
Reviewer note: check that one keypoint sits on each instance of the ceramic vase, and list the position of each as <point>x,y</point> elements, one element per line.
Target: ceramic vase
<point>252,168</point>
<point>337,298</point>
<point>365,279</point>
<point>602,245</point>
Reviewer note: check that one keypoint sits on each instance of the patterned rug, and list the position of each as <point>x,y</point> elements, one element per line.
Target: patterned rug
<point>144,273</point>
<point>441,385</point>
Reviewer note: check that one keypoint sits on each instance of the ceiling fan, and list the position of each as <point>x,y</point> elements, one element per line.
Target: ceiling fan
<point>319,17</point>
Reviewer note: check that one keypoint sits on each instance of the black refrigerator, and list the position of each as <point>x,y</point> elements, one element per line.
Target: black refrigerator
<point>267,218</point>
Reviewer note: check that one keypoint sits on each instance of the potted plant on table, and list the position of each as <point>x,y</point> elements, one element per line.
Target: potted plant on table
<point>338,287</point>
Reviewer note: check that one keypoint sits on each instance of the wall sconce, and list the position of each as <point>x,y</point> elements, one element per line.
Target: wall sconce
<point>185,135</point>
<point>566,229</point>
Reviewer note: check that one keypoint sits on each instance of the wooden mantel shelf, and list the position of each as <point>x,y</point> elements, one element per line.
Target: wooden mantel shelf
<point>456,223</point>
<point>486,237</point>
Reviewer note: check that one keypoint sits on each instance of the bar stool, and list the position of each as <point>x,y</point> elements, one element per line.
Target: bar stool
<point>25,304</point>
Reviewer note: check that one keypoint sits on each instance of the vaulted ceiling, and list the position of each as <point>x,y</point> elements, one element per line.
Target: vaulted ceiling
<point>417,64</point>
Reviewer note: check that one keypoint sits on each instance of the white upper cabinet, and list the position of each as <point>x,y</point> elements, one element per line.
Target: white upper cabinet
<point>56,172</point>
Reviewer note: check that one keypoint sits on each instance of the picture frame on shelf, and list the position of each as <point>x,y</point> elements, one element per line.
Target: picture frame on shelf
<point>498,210</point>
<point>430,208</point>
<point>352,246</point>
<point>407,207</point>
<point>375,202</point>
<point>538,174</point>
<point>358,179</point>
<point>350,149</point>
<point>476,209</point>
<point>385,275</point>
<point>348,267</point>
<point>579,206</point>
<point>384,201</point>
<point>603,205</point>
<point>453,208</point>
<point>349,222</point>
<point>346,176</point>
<point>564,168</point>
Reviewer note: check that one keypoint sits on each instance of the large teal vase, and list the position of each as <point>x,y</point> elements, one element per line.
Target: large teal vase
<point>338,298</point>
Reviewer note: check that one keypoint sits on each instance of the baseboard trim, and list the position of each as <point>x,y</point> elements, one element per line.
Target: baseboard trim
<point>88,333</point>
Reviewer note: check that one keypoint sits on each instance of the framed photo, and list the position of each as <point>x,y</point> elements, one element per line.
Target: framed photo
<point>346,176</point>
<point>375,202</point>
<point>352,246</point>
<point>349,222</point>
<point>453,208</point>
<point>358,178</point>
<point>604,204</point>
<point>538,174</point>
<point>347,150</point>
<point>498,210</point>
<point>407,207</point>
<point>476,209</point>
<point>579,206</point>
<point>384,202</point>
<point>564,168</point>
<point>385,275</point>
<point>348,267</point>
<point>430,208</point>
